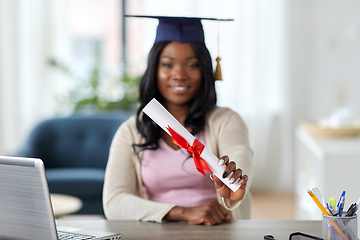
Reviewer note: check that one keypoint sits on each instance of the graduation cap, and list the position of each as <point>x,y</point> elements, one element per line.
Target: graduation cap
<point>182,30</point>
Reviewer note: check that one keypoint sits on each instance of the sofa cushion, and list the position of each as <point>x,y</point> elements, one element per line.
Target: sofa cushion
<point>79,182</point>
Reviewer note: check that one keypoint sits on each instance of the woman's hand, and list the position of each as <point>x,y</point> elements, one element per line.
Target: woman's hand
<point>209,213</point>
<point>234,175</point>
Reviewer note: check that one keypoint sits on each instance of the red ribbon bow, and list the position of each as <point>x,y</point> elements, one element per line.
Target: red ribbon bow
<point>195,150</point>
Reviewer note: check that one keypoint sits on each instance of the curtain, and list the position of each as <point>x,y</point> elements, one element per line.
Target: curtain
<point>26,41</point>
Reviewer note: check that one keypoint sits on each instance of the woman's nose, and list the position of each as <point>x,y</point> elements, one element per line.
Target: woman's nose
<point>179,73</point>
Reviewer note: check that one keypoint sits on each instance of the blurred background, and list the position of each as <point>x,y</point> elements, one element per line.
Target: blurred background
<point>283,63</point>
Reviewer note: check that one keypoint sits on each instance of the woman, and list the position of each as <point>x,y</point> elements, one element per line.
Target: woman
<point>148,177</point>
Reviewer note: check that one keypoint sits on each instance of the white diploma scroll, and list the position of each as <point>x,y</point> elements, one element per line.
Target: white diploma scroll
<point>163,118</point>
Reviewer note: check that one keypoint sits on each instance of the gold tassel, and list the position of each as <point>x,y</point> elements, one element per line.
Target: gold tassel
<point>218,76</point>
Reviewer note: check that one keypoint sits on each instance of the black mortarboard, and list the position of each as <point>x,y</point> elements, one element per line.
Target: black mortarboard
<point>179,29</point>
<point>182,30</point>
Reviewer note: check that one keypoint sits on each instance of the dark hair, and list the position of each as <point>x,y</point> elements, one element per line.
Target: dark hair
<point>203,101</point>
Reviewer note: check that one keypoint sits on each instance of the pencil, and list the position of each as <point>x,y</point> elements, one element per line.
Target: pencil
<point>312,195</point>
<point>323,210</point>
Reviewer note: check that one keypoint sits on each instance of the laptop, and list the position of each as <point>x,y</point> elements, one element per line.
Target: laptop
<point>25,206</point>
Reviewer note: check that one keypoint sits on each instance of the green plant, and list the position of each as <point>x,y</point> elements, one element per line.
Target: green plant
<point>98,92</point>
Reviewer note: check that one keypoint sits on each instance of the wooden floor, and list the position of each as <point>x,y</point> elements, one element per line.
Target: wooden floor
<point>273,206</point>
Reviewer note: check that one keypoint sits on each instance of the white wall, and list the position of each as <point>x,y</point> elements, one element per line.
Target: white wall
<point>324,56</point>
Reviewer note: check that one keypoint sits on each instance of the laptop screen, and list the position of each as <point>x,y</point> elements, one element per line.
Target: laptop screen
<point>25,206</point>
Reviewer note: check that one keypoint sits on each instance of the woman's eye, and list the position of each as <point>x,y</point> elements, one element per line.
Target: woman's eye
<point>166,64</point>
<point>194,65</point>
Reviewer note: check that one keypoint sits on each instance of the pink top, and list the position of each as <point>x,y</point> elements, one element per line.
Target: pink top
<point>170,176</point>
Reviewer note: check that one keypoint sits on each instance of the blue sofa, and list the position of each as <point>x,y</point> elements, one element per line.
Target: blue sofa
<point>75,152</point>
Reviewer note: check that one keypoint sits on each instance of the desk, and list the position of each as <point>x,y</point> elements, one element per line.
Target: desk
<point>331,164</point>
<point>240,230</point>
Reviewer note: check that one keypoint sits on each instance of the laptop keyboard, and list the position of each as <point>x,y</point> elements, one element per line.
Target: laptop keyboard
<point>73,236</point>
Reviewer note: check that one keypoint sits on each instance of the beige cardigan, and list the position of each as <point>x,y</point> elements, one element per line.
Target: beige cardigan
<point>124,195</point>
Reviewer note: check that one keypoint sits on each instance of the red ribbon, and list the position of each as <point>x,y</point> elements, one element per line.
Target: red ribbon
<point>195,150</point>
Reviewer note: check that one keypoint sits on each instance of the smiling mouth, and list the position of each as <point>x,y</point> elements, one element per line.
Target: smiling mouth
<point>179,89</point>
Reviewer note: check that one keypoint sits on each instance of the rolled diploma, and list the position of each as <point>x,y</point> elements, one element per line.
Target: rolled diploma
<point>163,118</point>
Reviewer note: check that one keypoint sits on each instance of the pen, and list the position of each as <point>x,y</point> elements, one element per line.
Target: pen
<point>342,195</point>
<point>332,206</point>
<point>332,209</point>
<point>328,208</point>
<point>341,207</point>
<point>351,211</point>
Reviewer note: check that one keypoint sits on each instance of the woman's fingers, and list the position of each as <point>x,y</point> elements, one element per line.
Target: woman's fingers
<point>209,213</point>
<point>223,213</point>
<point>230,167</point>
<point>243,180</point>
<point>224,160</point>
<point>215,218</point>
<point>218,213</point>
<point>237,174</point>
<point>235,178</point>
<point>234,175</point>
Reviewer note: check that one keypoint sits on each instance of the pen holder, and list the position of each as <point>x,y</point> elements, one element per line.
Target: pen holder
<point>339,228</point>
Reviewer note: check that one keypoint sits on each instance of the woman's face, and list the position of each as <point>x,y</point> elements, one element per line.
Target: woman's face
<point>179,74</point>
